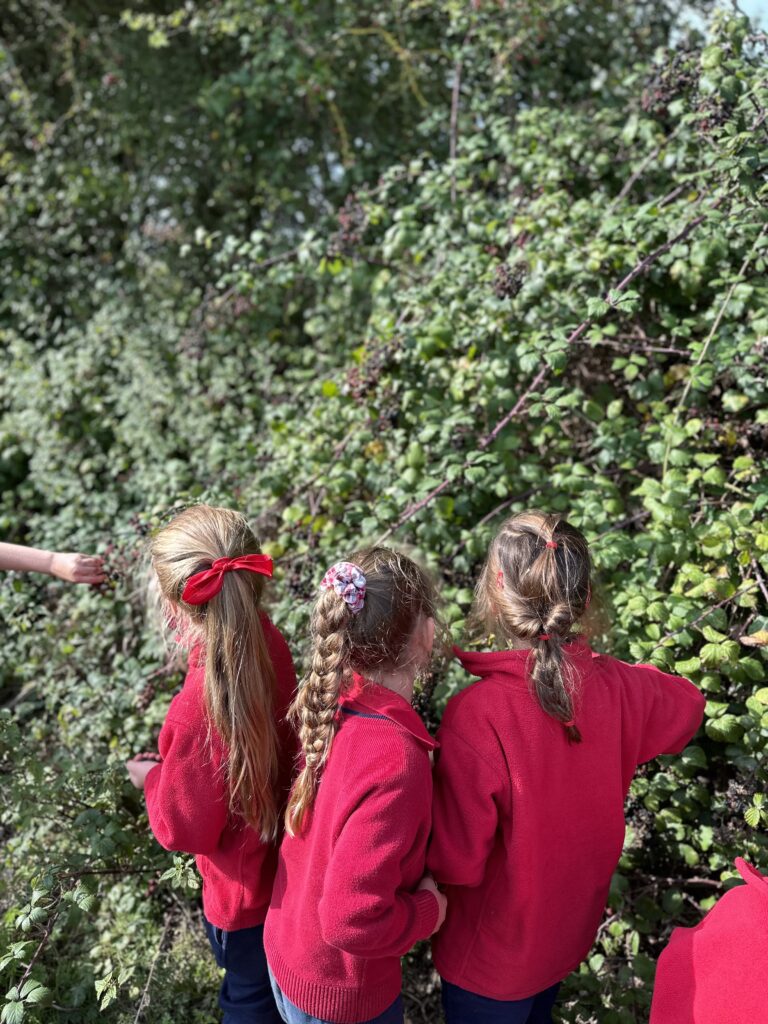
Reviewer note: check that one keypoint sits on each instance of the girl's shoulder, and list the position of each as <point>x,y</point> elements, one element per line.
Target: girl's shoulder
<point>190,700</point>
<point>628,673</point>
<point>380,743</point>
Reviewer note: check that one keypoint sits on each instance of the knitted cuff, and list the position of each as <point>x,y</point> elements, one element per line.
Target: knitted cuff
<point>427,912</point>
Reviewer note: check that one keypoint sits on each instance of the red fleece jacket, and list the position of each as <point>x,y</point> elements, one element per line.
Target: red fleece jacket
<point>528,828</point>
<point>717,972</point>
<point>187,798</point>
<point>345,906</point>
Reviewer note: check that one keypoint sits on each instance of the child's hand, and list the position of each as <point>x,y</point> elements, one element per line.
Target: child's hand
<point>77,568</point>
<point>139,768</point>
<point>428,883</point>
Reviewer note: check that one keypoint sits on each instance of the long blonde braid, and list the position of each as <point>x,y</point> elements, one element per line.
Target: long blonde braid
<point>316,705</point>
<point>397,592</point>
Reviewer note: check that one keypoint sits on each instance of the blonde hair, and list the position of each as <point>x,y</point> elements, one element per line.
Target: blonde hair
<point>239,684</point>
<point>397,592</point>
<point>534,587</point>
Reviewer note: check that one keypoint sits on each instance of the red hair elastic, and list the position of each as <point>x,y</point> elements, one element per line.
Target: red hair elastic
<point>551,543</point>
<point>204,585</point>
<point>544,636</point>
<point>500,579</point>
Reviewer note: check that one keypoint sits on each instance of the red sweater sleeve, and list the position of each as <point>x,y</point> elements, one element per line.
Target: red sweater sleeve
<point>363,910</point>
<point>464,818</point>
<point>186,796</point>
<point>664,711</point>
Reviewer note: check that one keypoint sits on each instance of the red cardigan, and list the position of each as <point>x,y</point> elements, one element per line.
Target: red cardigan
<point>345,906</point>
<point>528,828</point>
<point>717,972</point>
<point>187,799</point>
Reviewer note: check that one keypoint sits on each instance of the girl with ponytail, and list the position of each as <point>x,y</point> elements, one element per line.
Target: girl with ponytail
<point>351,896</point>
<point>535,762</point>
<point>218,787</point>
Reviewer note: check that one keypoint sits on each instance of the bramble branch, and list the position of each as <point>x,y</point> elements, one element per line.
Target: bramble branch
<point>144,1002</point>
<point>611,300</point>
<point>727,600</point>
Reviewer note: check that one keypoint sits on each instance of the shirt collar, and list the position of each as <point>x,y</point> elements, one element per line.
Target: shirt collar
<point>752,877</point>
<point>512,662</point>
<point>366,696</point>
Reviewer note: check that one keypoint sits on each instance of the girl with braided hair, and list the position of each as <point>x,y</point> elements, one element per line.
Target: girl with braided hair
<point>219,785</point>
<point>350,895</point>
<point>535,762</point>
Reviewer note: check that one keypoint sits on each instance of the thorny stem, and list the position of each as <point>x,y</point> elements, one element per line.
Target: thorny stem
<point>704,614</point>
<point>144,1002</point>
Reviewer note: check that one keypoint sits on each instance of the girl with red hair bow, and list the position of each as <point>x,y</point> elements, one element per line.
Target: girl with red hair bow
<point>219,787</point>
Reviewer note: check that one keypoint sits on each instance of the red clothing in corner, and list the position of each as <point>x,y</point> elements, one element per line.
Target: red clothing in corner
<point>527,827</point>
<point>717,972</point>
<point>187,799</point>
<point>345,906</point>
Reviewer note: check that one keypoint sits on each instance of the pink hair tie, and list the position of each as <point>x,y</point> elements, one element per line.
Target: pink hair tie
<point>202,586</point>
<point>500,579</point>
<point>569,725</point>
<point>551,543</point>
<point>348,580</point>
<point>544,636</point>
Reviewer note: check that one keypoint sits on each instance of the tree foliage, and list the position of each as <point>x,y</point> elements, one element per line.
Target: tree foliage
<point>372,273</point>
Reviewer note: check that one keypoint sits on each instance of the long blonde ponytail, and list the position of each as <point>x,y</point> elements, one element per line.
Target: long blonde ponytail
<point>239,676</point>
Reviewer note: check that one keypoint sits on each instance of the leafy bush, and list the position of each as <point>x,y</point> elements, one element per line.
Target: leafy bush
<point>372,275</point>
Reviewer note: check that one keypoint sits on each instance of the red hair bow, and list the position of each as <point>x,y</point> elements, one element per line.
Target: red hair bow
<point>204,585</point>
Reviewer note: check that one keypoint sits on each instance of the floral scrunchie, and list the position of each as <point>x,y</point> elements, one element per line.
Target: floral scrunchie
<point>348,580</point>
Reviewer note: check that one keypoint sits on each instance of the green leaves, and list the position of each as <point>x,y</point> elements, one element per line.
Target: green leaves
<point>725,729</point>
<point>757,814</point>
<point>31,995</point>
<point>13,1011</point>
<point>268,287</point>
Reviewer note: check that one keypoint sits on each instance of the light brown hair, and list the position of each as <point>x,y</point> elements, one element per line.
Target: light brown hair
<point>533,589</point>
<point>239,676</point>
<point>376,638</point>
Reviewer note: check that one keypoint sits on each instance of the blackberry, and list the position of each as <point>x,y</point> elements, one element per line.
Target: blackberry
<point>508,280</point>
<point>353,221</point>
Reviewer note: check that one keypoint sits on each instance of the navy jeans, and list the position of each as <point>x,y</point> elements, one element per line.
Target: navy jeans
<point>293,1015</point>
<point>463,1007</point>
<point>246,994</point>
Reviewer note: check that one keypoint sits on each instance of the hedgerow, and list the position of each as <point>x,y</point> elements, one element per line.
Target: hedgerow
<point>372,275</point>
